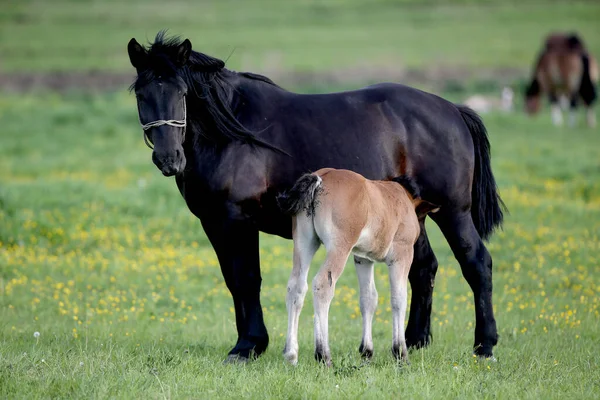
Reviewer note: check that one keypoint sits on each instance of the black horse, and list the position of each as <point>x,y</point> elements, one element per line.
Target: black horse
<point>247,139</point>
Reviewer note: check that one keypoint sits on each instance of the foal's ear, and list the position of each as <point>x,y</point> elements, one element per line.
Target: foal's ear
<point>183,52</point>
<point>137,54</point>
<point>424,207</point>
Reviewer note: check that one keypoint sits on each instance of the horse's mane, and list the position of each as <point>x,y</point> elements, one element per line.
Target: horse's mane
<point>560,41</point>
<point>207,82</point>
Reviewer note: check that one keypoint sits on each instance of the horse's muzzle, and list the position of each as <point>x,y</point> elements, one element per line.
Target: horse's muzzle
<point>170,165</point>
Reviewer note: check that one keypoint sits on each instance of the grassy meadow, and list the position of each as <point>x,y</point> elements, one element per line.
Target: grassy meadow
<point>68,35</point>
<point>100,256</point>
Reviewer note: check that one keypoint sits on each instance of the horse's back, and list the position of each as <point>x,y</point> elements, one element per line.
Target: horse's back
<point>560,67</point>
<point>380,131</point>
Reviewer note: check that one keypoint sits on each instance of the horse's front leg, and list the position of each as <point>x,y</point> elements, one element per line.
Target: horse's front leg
<point>236,245</point>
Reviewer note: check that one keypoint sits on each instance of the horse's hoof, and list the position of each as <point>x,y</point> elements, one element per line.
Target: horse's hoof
<point>236,359</point>
<point>489,358</point>
<point>418,342</point>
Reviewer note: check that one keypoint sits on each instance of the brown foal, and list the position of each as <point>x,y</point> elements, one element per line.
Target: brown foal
<point>377,221</point>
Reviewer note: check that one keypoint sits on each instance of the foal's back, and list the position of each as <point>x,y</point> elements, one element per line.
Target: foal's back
<point>368,215</point>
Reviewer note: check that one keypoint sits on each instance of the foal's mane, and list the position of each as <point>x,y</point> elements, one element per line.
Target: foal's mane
<point>208,84</point>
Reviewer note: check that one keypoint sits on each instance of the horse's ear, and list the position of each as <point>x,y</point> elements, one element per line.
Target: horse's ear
<point>137,54</point>
<point>183,52</point>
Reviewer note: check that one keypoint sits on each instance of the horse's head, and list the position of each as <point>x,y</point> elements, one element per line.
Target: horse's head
<point>532,97</point>
<point>161,97</point>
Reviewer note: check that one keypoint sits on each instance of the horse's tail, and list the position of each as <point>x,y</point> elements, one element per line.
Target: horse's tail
<point>301,197</point>
<point>486,205</point>
<point>587,89</point>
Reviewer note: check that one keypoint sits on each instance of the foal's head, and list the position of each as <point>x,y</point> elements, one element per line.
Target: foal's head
<point>532,97</point>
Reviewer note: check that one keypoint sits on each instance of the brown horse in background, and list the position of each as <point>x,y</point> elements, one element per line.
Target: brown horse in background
<point>565,72</point>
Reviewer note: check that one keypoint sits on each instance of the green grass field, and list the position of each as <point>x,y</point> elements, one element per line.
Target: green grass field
<point>99,254</point>
<point>69,35</point>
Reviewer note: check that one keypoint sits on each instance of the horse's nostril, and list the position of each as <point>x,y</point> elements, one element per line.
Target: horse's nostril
<point>178,153</point>
<point>156,161</point>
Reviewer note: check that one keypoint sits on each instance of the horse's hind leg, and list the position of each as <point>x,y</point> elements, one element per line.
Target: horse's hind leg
<point>476,265</point>
<point>573,102</point>
<point>323,290</point>
<point>306,244</point>
<point>589,98</point>
<point>422,277</point>
<point>590,117</point>
<point>368,302</point>
<point>555,109</point>
<point>399,268</point>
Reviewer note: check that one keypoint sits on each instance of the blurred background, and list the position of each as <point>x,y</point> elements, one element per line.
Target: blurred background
<point>80,44</point>
<point>98,248</point>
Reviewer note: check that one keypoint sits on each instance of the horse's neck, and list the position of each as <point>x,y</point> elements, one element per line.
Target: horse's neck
<point>241,91</point>
<point>250,87</point>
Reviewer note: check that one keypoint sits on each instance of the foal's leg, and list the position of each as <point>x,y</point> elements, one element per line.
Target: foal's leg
<point>323,290</point>
<point>306,244</point>
<point>368,302</point>
<point>399,268</point>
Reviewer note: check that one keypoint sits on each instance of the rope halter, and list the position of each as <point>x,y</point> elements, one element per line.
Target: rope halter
<point>177,123</point>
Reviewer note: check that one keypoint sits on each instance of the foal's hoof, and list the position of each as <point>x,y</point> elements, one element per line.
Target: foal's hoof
<point>236,359</point>
<point>322,359</point>
<point>292,358</point>
<point>365,353</point>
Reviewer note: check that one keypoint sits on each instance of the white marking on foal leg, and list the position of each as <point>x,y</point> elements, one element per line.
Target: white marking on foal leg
<point>323,291</point>
<point>399,269</point>
<point>305,247</point>
<point>368,302</point>
<point>591,117</point>
<point>557,118</point>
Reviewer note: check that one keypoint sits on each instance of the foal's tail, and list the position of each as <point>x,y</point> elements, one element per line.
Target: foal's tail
<point>301,197</point>
<point>587,89</point>
<point>486,205</point>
